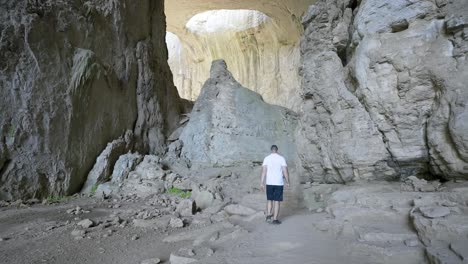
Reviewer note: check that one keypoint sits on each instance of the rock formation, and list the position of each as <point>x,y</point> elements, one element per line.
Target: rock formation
<point>232,125</point>
<point>76,75</point>
<point>384,90</point>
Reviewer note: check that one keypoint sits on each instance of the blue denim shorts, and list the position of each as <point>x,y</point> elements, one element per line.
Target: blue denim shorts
<point>274,192</point>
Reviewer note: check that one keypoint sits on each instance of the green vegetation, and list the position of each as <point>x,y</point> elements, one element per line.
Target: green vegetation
<point>179,192</point>
<point>94,188</point>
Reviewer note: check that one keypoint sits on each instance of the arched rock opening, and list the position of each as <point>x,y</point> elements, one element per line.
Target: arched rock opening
<point>258,41</point>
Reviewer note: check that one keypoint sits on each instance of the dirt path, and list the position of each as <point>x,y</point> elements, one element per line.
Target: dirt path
<point>294,241</point>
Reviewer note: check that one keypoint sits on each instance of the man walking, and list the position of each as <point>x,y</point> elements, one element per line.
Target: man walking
<point>275,170</point>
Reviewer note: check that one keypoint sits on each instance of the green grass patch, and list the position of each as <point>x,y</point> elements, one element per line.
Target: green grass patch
<point>179,192</point>
<point>94,188</point>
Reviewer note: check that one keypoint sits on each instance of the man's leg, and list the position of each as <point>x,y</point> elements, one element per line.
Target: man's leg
<point>269,207</point>
<point>276,209</point>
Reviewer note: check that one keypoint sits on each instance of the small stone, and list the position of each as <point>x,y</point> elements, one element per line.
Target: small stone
<point>135,237</point>
<point>86,223</point>
<point>434,212</point>
<point>174,259</point>
<point>186,207</point>
<point>412,242</point>
<point>77,232</point>
<point>151,261</point>
<point>176,223</point>
<point>214,237</point>
<point>186,252</point>
<point>319,210</point>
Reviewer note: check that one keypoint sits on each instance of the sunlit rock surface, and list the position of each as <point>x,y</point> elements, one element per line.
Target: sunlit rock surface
<point>259,45</point>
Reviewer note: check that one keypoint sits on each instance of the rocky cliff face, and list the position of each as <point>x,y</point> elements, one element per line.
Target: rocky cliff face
<point>384,90</point>
<point>74,76</point>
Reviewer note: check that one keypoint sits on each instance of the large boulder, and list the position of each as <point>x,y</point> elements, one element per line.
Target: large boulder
<point>105,164</point>
<point>232,125</point>
<point>75,76</point>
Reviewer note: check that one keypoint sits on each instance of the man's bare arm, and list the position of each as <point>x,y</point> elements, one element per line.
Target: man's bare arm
<point>286,174</point>
<point>262,180</point>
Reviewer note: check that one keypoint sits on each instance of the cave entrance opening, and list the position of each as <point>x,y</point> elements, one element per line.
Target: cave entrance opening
<point>258,52</point>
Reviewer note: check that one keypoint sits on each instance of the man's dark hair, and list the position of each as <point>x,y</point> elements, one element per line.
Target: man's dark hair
<point>274,147</point>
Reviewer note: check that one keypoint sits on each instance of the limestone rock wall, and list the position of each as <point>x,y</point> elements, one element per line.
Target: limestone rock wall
<point>384,90</point>
<point>75,75</point>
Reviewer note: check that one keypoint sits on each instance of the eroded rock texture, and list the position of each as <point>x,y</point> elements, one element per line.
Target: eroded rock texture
<point>76,75</point>
<point>232,125</point>
<point>384,90</point>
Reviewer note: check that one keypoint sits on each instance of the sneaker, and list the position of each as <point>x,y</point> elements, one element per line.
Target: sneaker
<point>268,218</point>
<point>276,222</point>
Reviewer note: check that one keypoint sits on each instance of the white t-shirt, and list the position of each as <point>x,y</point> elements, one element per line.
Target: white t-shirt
<point>274,163</point>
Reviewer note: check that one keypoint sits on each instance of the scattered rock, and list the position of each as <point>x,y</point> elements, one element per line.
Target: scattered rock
<point>77,211</point>
<point>186,207</point>
<point>184,252</point>
<point>135,237</point>
<point>77,232</point>
<point>412,242</point>
<point>204,252</point>
<point>101,172</point>
<point>151,261</point>
<point>174,259</point>
<point>176,222</point>
<point>204,199</point>
<point>124,165</point>
<point>434,212</point>
<point>183,184</point>
<point>150,169</point>
<point>86,223</point>
<point>237,209</point>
